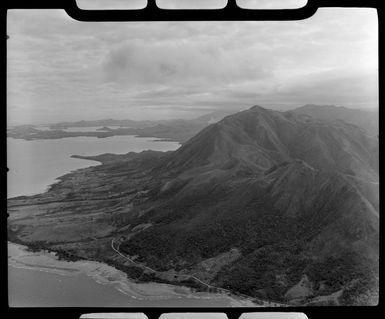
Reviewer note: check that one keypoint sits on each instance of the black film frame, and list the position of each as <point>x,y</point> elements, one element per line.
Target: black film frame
<point>152,13</point>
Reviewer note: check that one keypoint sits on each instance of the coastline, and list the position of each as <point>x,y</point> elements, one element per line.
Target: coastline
<point>140,289</point>
<point>37,134</point>
<point>104,274</point>
<point>145,288</point>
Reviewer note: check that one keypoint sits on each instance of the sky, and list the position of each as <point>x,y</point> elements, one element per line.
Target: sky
<point>60,69</point>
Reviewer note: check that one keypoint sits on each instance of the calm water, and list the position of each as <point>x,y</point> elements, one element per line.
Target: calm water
<point>39,279</point>
<point>34,165</point>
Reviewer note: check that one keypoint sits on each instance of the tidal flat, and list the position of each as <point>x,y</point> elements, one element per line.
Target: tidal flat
<point>40,279</point>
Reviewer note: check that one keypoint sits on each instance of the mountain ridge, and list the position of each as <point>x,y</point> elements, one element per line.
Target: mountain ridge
<point>260,138</point>
<point>295,197</point>
<point>366,119</point>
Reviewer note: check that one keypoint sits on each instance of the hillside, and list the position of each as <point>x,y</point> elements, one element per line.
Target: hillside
<point>368,120</point>
<point>274,205</point>
<point>256,139</point>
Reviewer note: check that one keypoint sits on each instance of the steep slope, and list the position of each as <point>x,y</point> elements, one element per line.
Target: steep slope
<point>274,180</point>
<point>258,139</point>
<point>291,222</point>
<point>261,203</point>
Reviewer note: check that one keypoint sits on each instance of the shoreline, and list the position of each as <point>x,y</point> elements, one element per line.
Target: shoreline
<point>189,291</point>
<point>60,134</point>
<point>106,274</point>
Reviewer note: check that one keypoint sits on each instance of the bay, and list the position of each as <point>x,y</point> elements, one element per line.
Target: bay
<point>39,279</point>
<point>34,165</point>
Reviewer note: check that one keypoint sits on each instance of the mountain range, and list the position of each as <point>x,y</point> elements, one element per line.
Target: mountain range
<point>182,130</point>
<point>279,206</point>
<point>177,130</point>
<point>366,119</point>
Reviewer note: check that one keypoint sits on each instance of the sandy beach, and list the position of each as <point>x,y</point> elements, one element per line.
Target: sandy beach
<point>43,261</point>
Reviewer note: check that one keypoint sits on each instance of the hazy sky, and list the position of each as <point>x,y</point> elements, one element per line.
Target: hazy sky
<point>60,69</point>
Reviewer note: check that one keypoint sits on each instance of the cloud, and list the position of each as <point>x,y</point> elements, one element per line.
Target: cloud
<point>189,63</point>
<point>62,69</point>
<point>338,86</point>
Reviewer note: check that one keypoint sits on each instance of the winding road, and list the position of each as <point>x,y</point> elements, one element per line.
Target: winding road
<point>269,302</point>
<point>156,271</point>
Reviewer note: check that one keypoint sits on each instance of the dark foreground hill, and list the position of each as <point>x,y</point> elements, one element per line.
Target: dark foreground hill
<point>273,205</point>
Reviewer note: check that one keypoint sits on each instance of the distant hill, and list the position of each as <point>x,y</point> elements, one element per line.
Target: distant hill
<point>205,119</point>
<point>368,120</point>
<point>178,130</point>
<point>278,206</point>
<point>103,122</point>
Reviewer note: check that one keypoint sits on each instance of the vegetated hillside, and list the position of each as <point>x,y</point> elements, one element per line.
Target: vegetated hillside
<point>366,119</point>
<point>275,205</point>
<point>256,139</point>
<point>277,186</point>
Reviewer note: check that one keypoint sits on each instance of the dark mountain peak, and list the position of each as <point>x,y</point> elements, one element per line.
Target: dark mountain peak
<point>257,108</point>
<point>259,138</point>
